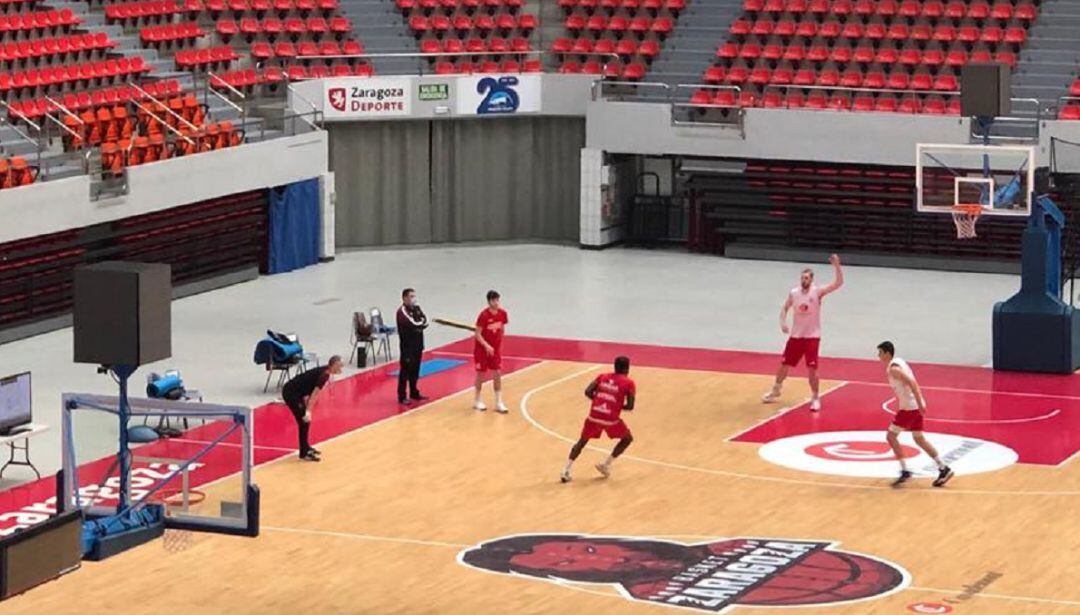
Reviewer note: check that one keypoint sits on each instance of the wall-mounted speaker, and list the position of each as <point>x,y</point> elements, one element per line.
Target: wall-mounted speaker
<point>123,313</point>
<point>985,90</point>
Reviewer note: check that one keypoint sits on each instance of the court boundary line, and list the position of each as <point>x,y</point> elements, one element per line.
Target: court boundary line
<point>523,407</point>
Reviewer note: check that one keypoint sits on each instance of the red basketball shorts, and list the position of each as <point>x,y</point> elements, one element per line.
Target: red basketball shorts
<point>616,431</point>
<point>909,420</point>
<point>485,362</point>
<point>798,348</point>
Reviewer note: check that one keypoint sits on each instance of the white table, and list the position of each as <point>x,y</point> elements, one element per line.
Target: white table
<point>13,440</point>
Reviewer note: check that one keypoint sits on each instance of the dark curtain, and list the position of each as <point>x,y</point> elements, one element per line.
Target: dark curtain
<point>294,226</point>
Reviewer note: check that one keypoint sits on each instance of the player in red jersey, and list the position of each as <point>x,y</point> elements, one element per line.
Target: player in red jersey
<point>610,394</point>
<point>487,356</point>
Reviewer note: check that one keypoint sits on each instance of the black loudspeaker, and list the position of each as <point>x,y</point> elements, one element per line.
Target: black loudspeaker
<point>40,553</point>
<point>123,313</point>
<point>985,90</point>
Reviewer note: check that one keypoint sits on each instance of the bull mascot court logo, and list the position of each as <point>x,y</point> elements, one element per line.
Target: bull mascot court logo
<point>705,576</point>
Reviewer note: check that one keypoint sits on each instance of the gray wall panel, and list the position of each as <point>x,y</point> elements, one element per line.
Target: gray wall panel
<point>457,180</point>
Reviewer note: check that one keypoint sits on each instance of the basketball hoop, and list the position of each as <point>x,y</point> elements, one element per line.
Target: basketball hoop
<point>177,501</point>
<point>965,216</point>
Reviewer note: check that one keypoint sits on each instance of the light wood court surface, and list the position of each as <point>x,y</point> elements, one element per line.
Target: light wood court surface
<point>377,526</point>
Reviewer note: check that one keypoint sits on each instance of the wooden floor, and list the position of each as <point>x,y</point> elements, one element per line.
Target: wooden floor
<point>377,527</point>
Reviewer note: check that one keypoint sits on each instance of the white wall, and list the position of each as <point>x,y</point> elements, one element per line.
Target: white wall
<point>55,206</point>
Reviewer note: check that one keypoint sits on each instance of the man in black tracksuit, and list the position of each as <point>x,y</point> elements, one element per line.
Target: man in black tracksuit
<point>300,394</point>
<point>411,323</point>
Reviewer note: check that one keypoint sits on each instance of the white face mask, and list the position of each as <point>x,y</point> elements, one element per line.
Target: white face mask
<point>414,301</point>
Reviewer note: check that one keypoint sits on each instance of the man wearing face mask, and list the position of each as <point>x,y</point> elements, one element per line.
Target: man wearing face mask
<point>411,323</point>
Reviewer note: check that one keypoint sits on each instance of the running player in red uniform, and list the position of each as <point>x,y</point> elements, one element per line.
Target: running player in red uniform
<point>490,326</point>
<point>610,394</point>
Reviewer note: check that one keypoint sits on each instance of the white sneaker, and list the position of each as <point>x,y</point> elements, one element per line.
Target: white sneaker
<point>771,396</point>
<point>501,408</point>
<point>479,405</point>
<point>815,404</point>
<point>565,477</point>
<point>603,469</point>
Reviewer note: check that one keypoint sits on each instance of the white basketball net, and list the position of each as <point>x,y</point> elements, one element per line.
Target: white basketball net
<point>965,219</point>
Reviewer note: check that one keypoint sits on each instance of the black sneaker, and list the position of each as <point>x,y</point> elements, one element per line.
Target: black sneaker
<point>943,476</point>
<point>315,450</point>
<point>310,456</point>
<point>905,476</point>
<point>419,397</point>
<point>405,402</point>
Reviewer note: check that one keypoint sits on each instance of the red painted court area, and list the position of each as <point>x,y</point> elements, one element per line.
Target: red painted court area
<point>1042,429</point>
<point>1036,415</point>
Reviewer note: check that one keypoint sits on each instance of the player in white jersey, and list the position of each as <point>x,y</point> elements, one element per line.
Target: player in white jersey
<point>911,408</point>
<point>805,302</point>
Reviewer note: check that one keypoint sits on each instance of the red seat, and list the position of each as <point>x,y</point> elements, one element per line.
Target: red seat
<point>1006,57</point>
<point>715,75</point>
<point>887,54</point>
<point>978,9</point>
<point>1001,10</point>
<point>934,106</point>
<point>760,75</point>
<point>874,79</point>
<point>817,52</point>
<point>750,51</point>
<point>946,82</point>
<point>1071,111</point>
<point>967,33</point>
<point>1025,11</point>
<point>991,35</point>
<point>839,102</point>
<point>841,54</point>
<point>783,75</point>
<point>885,103</point>
<point>794,52</point>
<point>887,8</point>
<point>933,57</point>
<point>736,74</point>
<point>944,32</point>
<point>804,76</point>
<point>898,31</point>
<point>728,50</point>
<point>898,80</point>
<point>634,71</point>
<point>910,56</point>
<point>909,104</point>
<point>876,31</point>
<point>922,81</point>
<point>794,100</point>
<point>863,102</point>
<point>1015,35</point>
<point>932,9</point>
<point>828,77</point>
<point>772,100</point>
<point>627,47</point>
<point>956,56</point>
<point>830,29</point>
<point>955,9</point>
<point>851,78</point>
<point>816,100</point>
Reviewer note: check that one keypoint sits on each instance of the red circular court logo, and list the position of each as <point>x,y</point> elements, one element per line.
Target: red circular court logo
<point>855,450</point>
<point>933,608</point>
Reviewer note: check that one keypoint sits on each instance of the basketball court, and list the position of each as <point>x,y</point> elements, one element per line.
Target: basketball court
<point>407,512</point>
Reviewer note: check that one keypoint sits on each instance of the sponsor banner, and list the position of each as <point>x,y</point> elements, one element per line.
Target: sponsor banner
<point>367,98</point>
<point>498,94</point>
<point>709,577</point>
<point>866,454</point>
<point>433,92</point>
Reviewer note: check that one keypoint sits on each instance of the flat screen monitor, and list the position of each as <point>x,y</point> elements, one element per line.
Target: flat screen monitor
<point>14,401</point>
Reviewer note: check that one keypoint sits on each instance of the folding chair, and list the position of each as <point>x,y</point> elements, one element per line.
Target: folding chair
<point>383,331</point>
<point>361,336</point>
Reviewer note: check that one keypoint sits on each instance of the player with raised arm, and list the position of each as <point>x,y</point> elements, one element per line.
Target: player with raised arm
<point>911,409</point>
<point>610,393</point>
<point>804,301</point>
